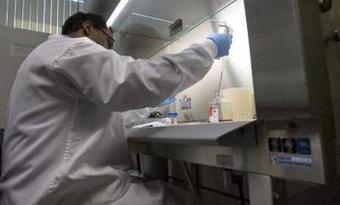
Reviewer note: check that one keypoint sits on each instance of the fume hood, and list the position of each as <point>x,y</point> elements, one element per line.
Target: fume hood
<point>276,52</point>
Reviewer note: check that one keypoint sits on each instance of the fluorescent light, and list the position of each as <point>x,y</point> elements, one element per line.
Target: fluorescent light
<point>76,1</point>
<point>121,5</point>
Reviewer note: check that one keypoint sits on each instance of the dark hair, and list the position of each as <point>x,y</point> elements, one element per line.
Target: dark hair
<point>74,22</point>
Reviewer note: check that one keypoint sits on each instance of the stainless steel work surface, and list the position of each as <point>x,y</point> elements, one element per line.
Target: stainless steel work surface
<point>219,133</point>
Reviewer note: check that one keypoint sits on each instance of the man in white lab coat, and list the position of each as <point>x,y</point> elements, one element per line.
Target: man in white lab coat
<point>65,139</point>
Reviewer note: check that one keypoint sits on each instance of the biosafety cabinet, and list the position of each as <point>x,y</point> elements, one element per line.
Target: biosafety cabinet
<point>283,51</point>
<point>285,55</point>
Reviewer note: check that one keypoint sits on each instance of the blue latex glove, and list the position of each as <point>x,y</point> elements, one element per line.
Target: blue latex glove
<point>168,101</point>
<point>222,41</point>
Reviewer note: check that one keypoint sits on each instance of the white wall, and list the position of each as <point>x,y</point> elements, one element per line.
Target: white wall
<point>15,45</point>
<point>236,67</point>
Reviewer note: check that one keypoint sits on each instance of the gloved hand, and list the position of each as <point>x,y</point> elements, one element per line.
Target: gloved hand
<point>168,101</point>
<point>222,41</point>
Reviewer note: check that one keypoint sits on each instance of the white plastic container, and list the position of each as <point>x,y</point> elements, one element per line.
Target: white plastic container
<point>243,102</point>
<point>225,111</point>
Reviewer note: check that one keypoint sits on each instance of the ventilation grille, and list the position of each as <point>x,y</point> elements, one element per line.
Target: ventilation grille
<point>38,15</point>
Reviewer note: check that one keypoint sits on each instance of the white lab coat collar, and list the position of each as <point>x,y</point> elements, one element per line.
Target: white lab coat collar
<point>57,36</point>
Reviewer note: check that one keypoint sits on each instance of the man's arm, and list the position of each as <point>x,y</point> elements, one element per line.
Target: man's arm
<point>102,76</point>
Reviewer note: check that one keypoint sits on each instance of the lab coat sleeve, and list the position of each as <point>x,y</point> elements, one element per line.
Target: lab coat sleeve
<point>89,71</point>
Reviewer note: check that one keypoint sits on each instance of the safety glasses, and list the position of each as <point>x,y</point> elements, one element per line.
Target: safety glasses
<point>110,39</point>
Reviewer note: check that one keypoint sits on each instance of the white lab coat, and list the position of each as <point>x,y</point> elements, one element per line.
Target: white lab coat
<point>65,141</point>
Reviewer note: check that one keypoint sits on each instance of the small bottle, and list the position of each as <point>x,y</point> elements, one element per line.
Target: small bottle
<point>185,103</point>
<point>172,116</point>
<point>213,109</point>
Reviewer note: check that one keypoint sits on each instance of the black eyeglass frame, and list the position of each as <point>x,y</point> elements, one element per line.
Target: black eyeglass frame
<point>110,37</point>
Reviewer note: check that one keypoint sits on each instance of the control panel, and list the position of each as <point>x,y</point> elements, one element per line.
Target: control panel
<point>290,145</point>
<point>290,151</point>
